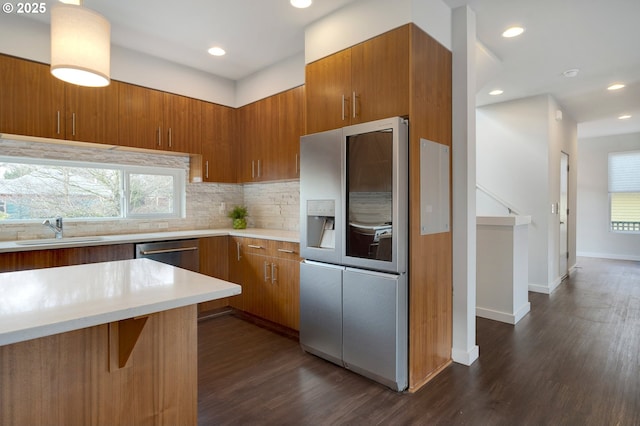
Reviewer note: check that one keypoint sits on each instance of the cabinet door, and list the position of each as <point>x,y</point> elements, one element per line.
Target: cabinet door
<point>31,99</point>
<point>217,149</point>
<point>328,92</point>
<point>247,133</point>
<point>380,76</point>
<point>257,276</point>
<point>213,256</point>
<point>237,268</point>
<point>214,252</point>
<point>259,123</point>
<point>284,150</point>
<point>181,124</point>
<point>140,113</point>
<point>91,113</point>
<point>284,291</point>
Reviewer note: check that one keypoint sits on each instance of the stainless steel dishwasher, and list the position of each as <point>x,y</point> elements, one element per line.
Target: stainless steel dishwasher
<point>180,253</point>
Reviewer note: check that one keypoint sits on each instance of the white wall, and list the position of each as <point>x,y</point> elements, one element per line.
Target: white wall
<point>464,350</point>
<point>277,78</point>
<point>594,238</point>
<point>518,159</point>
<point>363,20</point>
<point>563,137</point>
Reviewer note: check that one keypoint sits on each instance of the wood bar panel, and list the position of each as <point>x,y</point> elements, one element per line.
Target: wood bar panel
<point>65,378</point>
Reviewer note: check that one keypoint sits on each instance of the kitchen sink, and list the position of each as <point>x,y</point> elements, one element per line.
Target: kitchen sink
<point>64,240</point>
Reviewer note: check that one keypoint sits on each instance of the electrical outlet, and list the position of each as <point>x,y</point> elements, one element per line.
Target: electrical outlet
<point>223,207</point>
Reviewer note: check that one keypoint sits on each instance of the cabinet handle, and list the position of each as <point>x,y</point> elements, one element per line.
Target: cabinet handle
<point>238,250</point>
<point>170,144</point>
<point>58,122</point>
<point>159,137</point>
<point>286,251</point>
<point>259,168</point>
<point>343,99</point>
<point>297,167</point>
<point>206,169</point>
<point>253,167</point>
<point>354,105</point>
<point>266,278</point>
<point>274,269</point>
<point>73,124</point>
<point>255,246</point>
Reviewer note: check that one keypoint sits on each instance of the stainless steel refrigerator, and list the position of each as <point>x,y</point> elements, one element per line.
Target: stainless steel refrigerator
<point>353,237</point>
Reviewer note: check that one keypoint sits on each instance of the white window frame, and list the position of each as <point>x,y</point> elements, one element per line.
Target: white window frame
<point>179,187</point>
<point>626,182</point>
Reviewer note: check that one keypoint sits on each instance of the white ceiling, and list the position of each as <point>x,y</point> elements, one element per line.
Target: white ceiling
<point>599,37</point>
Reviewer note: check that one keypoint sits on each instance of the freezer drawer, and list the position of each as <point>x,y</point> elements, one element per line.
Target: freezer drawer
<point>321,310</point>
<point>375,326</point>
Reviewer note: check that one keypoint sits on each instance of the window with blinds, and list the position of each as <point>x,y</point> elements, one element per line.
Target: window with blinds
<point>624,191</point>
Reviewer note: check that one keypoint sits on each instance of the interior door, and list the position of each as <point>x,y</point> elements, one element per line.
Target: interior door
<point>563,211</point>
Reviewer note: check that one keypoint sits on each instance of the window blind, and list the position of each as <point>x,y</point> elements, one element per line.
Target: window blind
<point>624,171</point>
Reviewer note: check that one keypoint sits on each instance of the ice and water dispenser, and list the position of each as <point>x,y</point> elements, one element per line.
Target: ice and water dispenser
<point>321,224</point>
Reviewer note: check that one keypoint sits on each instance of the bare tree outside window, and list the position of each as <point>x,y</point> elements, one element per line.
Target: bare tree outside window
<point>37,191</point>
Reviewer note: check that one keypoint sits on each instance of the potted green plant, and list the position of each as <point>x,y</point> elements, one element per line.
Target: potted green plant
<point>239,214</point>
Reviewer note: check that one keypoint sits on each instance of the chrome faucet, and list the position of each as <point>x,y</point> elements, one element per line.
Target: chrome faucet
<point>57,228</point>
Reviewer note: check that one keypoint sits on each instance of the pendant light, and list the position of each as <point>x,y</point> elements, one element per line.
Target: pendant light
<point>80,45</point>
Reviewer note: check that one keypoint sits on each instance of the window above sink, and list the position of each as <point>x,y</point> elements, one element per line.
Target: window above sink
<point>36,189</point>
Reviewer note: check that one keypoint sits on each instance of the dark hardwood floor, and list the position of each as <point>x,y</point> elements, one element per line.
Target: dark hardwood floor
<point>573,360</point>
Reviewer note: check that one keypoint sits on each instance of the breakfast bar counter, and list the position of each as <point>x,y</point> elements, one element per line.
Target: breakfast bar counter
<point>103,343</point>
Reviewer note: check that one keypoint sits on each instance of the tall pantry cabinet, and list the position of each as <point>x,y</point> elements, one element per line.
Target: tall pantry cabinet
<point>403,72</point>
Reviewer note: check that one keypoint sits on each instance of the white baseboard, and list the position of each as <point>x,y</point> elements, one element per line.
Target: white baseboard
<point>465,357</point>
<point>545,289</point>
<point>539,288</point>
<point>509,318</point>
<point>611,256</point>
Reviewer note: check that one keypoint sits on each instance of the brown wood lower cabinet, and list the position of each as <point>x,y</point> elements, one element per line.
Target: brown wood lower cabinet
<point>37,259</point>
<point>213,262</point>
<point>269,274</point>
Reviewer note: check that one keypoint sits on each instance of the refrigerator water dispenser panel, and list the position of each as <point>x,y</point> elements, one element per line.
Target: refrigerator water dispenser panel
<point>321,224</point>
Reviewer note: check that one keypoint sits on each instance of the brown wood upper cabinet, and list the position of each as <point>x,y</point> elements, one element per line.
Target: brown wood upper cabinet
<point>270,131</point>
<point>34,103</point>
<point>218,156</point>
<point>153,119</point>
<point>366,82</point>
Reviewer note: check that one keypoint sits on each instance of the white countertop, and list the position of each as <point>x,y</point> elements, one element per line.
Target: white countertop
<point>271,234</point>
<point>43,302</point>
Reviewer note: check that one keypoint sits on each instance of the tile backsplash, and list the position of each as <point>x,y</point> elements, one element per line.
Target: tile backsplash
<point>273,205</point>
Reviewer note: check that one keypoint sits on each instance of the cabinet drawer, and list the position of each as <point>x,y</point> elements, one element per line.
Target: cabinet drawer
<point>256,246</point>
<point>286,250</point>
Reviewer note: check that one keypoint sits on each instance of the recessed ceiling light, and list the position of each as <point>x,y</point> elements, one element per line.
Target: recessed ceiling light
<point>496,92</point>
<point>300,4</point>
<point>512,32</point>
<point>571,73</point>
<point>216,51</point>
<point>615,86</point>
<point>624,117</point>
